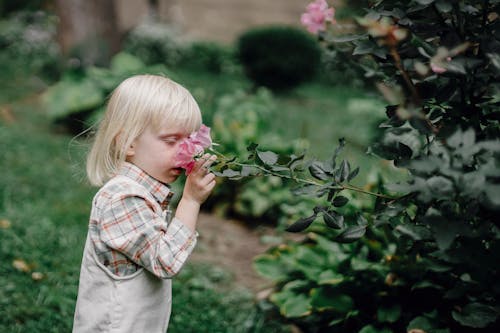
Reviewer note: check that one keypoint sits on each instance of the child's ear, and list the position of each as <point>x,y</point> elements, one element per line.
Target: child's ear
<point>131,149</point>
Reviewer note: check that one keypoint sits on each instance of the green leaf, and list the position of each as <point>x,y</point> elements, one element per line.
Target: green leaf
<point>301,224</point>
<point>421,124</point>
<point>330,277</point>
<point>444,6</point>
<point>353,174</point>
<point>340,201</point>
<point>344,170</point>
<point>413,231</point>
<point>389,314</point>
<point>369,47</point>
<point>351,234</point>
<point>227,173</point>
<point>252,147</point>
<point>372,329</point>
<point>291,305</point>
<point>271,267</point>
<point>425,2</point>
<point>476,315</point>
<point>420,323</point>
<point>360,220</point>
<point>324,299</point>
<point>317,171</point>
<point>69,97</point>
<point>268,157</point>
<point>333,219</point>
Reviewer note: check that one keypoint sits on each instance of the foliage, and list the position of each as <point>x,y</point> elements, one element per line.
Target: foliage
<point>27,43</point>
<point>208,56</point>
<point>278,57</point>
<point>429,256</point>
<point>78,99</point>
<point>10,7</point>
<point>241,118</point>
<point>154,43</point>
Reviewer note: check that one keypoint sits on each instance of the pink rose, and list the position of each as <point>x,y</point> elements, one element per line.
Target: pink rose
<point>192,147</point>
<point>202,137</point>
<point>316,15</point>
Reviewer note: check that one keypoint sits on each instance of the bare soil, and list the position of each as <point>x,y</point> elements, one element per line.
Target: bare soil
<point>232,245</point>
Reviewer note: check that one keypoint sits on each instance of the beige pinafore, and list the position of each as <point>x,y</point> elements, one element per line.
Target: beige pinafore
<point>139,302</point>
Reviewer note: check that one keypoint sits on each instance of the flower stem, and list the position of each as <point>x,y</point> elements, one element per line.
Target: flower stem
<point>301,180</point>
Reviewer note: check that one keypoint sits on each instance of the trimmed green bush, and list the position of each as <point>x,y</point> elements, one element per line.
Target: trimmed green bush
<point>278,57</point>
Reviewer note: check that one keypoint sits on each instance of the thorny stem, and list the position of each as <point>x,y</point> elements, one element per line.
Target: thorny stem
<point>305,181</point>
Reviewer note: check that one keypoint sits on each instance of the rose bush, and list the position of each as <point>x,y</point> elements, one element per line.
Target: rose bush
<point>428,250</point>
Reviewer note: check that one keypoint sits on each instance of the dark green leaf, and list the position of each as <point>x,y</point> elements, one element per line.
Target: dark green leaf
<point>351,234</point>
<point>421,124</point>
<point>323,299</point>
<point>340,201</point>
<point>420,323</point>
<point>413,231</point>
<point>476,315</point>
<point>425,2</point>
<point>301,224</point>
<point>317,171</point>
<point>252,147</point>
<point>353,174</point>
<point>389,314</point>
<point>333,219</point>
<point>343,171</point>
<point>360,220</point>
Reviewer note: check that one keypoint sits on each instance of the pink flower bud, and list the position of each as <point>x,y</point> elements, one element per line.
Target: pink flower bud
<point>316,15</point>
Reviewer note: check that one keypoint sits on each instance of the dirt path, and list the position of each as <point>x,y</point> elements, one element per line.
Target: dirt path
<point>231,245</point>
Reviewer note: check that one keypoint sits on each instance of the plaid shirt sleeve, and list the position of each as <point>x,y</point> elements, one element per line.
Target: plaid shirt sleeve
<point>130,226</point>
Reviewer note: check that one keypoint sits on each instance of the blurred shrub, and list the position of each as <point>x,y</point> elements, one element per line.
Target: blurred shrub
<point>8,6</point>
<point>154,43</point>
<point>239,120</point>
<point>79,98</point>
<point>28,45</point>
<point>278,57</point>
<point>212,57</point>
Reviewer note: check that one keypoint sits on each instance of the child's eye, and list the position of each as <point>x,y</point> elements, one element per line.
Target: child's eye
<point>170,140</point>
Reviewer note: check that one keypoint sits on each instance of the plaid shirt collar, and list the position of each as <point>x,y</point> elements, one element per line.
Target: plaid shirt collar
<point>159,190</point>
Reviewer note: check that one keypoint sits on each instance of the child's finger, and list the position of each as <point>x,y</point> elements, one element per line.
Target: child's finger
<point>206,161</point>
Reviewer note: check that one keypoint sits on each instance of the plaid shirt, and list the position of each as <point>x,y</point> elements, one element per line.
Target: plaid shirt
<point>129,226</point>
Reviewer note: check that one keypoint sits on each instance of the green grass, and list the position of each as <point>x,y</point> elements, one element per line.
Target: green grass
<point>46,203</point>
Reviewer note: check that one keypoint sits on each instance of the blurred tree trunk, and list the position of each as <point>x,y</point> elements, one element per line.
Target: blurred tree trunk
<point>88,30</point>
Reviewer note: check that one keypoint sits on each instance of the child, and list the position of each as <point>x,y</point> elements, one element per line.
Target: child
<point>133,247</point>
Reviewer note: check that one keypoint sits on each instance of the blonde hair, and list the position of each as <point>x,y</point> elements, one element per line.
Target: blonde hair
<point>138,102</point>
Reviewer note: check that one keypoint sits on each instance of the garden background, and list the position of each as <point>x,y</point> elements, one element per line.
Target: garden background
<point>373,259</point>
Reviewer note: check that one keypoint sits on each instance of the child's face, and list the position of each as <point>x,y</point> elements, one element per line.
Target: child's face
<point>155,152</point>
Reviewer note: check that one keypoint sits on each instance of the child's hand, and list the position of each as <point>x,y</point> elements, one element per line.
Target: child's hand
<point>200,182</point>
